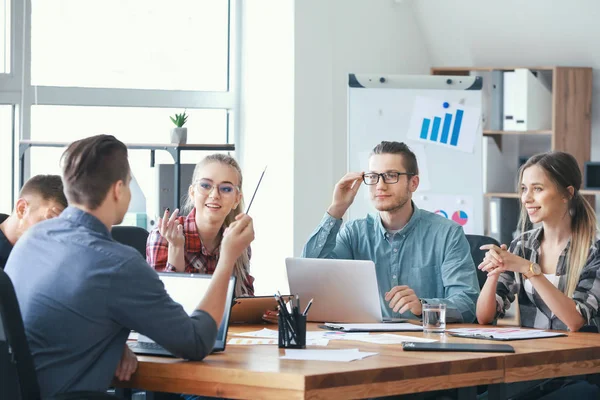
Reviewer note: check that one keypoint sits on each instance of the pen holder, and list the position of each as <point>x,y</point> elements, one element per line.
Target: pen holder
<point>292,331</point>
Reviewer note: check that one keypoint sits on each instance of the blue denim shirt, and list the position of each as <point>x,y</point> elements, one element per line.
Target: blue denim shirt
<point>80,294</point>
<point>430,254</point>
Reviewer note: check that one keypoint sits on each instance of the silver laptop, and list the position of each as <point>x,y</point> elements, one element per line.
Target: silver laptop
<point>187,290</point>
<point>342,290</point>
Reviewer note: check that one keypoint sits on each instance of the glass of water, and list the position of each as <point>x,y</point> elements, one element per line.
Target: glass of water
<point>434,318</point>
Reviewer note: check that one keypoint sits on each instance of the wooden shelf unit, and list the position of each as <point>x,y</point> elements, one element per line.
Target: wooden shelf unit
<point>571,107</point>
<point>571,114</point>
<point>507,195</point>
<point>539,132</point>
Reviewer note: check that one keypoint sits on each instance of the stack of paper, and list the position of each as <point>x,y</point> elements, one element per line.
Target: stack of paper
<point>325,355</point>
<point>503,333</point>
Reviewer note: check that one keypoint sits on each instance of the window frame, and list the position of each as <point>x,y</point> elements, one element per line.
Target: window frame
<point>17,89</point>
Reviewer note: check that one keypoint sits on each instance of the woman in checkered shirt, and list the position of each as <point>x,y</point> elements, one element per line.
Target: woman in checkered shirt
<point>554,268</point>
<point>192,244</point>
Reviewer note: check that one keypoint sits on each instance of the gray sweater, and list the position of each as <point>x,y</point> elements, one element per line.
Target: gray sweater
<point>80,294</point>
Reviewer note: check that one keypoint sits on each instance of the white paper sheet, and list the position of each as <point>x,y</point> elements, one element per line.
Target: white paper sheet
<point>385,338</point>
<point>274,334</point>
<point>453,207</point>
<point>504,333</point>
<point>325,355</point>
<point>259,341</point>
<point>454,127</point>
<point>375,327</point>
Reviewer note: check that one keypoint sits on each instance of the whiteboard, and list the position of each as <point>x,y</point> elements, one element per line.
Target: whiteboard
<point>381,107</point>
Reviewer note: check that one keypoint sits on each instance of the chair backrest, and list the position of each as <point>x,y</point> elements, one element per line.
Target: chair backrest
<point>19,353</point>
<point>133,236</point>
<point>475,242</point>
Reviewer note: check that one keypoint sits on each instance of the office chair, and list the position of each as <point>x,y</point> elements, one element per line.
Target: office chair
<point>20,361</point>
<point>133,236</point>
<point>475,242</point>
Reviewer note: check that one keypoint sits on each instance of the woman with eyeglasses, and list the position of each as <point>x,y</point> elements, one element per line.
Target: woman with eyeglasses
<point>554,269</point>
<point>192,244</point>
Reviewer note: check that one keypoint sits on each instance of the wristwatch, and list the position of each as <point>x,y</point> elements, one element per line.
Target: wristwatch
<point>534,270</point>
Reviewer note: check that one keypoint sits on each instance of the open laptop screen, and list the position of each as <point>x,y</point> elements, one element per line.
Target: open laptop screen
<point>189,289</point>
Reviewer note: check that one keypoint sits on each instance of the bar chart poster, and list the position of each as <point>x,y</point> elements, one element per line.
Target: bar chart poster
<point>444,123</point>
<point>455,208</point>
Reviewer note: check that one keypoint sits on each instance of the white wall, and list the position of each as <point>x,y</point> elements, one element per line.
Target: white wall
<point>267,134</point>
<point>332,39</point>
<point>515,33</point>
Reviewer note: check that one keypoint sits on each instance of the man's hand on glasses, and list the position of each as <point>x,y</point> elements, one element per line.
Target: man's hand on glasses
<point>344,194</point>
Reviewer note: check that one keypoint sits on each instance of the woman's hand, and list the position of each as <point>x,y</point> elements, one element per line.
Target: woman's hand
<point>171,229</point>
<point>237,237</point>
<point>498,260</point>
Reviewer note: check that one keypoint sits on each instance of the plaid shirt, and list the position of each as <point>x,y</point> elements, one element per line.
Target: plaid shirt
<point>536,314</point>
<point>197,258</point>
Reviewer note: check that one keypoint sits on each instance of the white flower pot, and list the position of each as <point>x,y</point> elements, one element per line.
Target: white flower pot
<point>179,135</point>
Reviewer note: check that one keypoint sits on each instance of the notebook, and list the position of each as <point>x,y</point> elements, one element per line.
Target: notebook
<point>502,334</point>
<point>469,347</point>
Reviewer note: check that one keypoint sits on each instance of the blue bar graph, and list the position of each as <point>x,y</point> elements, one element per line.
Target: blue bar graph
<point>445,134</point>
<point>446,128</point>
<point>425,128</point>
<point>435,129</point>
<point>456,128</point>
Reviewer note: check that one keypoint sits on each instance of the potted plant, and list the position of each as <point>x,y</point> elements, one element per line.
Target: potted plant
<point>179,133</point>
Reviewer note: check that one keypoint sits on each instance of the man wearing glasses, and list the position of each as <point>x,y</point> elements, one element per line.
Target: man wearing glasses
<point>420,257</point>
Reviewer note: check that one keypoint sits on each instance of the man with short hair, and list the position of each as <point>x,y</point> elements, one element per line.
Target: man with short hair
<point>41,198</point>
<point>420,257</point>
<point>81,292</point>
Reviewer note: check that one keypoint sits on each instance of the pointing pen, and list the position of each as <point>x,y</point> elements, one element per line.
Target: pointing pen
<point>307,308</point>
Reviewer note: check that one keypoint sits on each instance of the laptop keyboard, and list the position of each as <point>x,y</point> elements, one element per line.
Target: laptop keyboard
<point>146,346</point>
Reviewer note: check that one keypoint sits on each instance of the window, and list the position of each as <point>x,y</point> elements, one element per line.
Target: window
<point>5,36</point>
<point>128,124</point>
<point>131,44</point>
<point>6,128</point>
<point>120,67</point>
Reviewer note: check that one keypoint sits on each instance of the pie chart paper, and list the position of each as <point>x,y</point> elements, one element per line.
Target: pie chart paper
<point>460,217</point>
<point>455,208</point>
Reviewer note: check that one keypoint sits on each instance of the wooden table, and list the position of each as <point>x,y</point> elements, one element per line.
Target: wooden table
<point>256,372</point>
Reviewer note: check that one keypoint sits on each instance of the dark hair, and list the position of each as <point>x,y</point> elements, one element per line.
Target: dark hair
<point>563,170</point>
<point>48,187</point>
<point>408,157</point>
<point>91,166</point>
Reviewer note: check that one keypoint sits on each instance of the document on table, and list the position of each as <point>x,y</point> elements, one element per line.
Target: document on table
<point>386,338</point>
<point>503,333</point>
<point>385,327</point>
<point>273,334</point>
<point>254,341</point>
<point>325,355</point>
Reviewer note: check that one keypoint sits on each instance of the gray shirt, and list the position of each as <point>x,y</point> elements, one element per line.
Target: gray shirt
<point>80,294</point>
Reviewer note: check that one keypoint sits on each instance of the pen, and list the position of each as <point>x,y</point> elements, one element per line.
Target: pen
<point>307,308</point>
<point>286,318</point>
<point>256,190</point>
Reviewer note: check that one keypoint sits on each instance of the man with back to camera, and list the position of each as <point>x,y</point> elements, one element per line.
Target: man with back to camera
<point>41,198</point>
<point>420,257</point>
<point>80,292</point>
